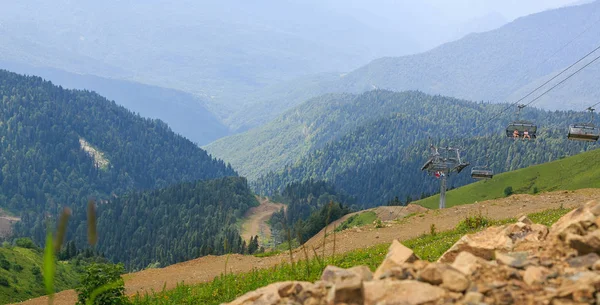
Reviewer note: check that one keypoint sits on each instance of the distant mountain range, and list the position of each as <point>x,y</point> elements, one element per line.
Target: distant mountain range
<point>500,65</point>
<point>185,113</point>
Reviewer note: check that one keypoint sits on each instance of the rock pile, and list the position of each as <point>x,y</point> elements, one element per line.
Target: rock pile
<point>521,263</point>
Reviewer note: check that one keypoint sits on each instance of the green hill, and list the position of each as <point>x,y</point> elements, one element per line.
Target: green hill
<point>372,145</point>
<point>60,147</point>
<point>576,172</point>
<point>21,278</point>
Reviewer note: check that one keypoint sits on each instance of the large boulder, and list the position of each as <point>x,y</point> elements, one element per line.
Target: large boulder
<point>397,255</point>
<point>346,283</point>
<point>578,221</point>
<point>272,294</point>
<point>484,244</point>
<point>407,292</point>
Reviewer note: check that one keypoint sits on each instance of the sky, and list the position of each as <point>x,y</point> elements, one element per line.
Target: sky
<point>440,21</point>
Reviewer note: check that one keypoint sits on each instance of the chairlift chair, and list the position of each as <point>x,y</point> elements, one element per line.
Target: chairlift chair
<point>482,172</point>
<point>521,127</point>
<point>586,132</point>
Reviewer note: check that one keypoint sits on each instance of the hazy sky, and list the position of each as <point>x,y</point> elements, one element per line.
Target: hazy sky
<point>432,22</point>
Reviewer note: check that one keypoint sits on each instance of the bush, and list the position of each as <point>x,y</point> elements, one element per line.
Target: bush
<point>100,275</point>
<point>17,267</point>
<point>4,282</point>
<point>508,191</point>
<point>25,242</point>
<point>4,264</point>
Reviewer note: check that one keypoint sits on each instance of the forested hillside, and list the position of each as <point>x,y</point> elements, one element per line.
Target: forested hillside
<point>170,225</point>
<point>60,147</point>
<point>381,159</point>
<point>185,113</point>
<point>398,118</point>
<point>497,66</point>
<point>311,205</point>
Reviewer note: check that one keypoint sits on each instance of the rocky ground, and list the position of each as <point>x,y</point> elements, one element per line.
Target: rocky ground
<point>520,263</point>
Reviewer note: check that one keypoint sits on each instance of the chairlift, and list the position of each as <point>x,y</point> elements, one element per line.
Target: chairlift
<point>482,172</point>
<point>586,132</point>
<point>521,128</point>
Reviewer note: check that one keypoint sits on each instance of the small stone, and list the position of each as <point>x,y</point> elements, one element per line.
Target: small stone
<point>596,266</point>
<point>400,273</point>
<point>588,243</point>
<point>363,272</point>
<point>446,276</point>
<point>585,261</point>
<point>514,259</point>
<point>396,256</point>
<point>524,219</point>
<point>467,263</point>
<point>347,283</point>
<point>473,298</point>
<point>535,275</point>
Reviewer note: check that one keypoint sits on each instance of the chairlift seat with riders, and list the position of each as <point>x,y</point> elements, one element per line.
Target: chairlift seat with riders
<point>521,127</point>
<point>587,132</point>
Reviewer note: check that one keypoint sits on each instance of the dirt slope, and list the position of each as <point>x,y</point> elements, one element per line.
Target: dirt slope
<point>256,220</point>
<point>206,268</point>
<point>6,223</point>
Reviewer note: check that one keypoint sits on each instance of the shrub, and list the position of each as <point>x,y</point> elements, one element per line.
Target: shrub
<point>25,242</point>
<point>106,277</point>
<point>17,267</point>
<point>4,264</point>
<point>432,230</point>
<point>35,270</point>
<point>4,282</point>
<point>508,191</point>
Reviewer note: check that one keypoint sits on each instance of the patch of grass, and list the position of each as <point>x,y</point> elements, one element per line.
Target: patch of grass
<point>357,220</point>
<point>24,276</point>
<point>576,172</point>
<point>268,254</point>
<point>548,217</point>
<point>227,288</point>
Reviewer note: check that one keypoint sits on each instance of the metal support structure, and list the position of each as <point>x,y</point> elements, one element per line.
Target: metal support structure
<point>442,165</point>
<point>443,192</point>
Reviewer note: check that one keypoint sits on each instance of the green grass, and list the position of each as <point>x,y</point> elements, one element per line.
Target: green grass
<point>357,220</point>
<point>24,281</point>
<point>576,172</point>
<point>227,288</point>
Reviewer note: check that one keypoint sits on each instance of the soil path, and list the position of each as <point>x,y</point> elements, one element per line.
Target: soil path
<point>206,268</point>
<point>256,220</point>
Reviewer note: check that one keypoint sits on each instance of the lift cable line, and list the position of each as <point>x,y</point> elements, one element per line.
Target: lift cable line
<point>545,83</point>
<point>562,81</point>
<point>441,167</point>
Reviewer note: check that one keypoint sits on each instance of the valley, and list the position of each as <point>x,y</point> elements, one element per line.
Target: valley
<point>206,268</point>
<point>158,153</point>
<point>255,222</point>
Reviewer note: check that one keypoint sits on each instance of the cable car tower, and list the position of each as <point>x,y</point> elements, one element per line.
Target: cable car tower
<point>441,165</point>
